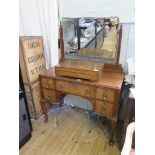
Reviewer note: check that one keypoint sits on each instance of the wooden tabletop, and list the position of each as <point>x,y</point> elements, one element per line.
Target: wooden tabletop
<point>109,79</point>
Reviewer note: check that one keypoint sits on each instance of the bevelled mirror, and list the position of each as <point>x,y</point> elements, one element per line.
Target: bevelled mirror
<point>91,38</point>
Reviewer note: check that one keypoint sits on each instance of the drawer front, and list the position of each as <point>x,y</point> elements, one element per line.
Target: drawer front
<point>75,88</point>
<point>49,95</point>
<point>89,75</point>
<point>105,94</point>
<point>104,108</point>
<point>48,83</point>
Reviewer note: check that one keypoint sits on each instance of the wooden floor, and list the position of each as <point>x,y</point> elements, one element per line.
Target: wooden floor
<point>75,134</point>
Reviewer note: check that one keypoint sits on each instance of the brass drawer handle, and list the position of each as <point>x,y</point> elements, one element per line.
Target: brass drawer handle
<point>105,96</point>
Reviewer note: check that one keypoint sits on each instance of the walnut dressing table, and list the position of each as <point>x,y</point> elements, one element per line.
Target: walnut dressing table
<point>103,94</point>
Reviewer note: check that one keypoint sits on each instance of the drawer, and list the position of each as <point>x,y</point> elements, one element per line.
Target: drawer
<point>49,95</point>
<point>75,88</point>
<point>105,94</point>
<point>48,83</point>
<point>104,108</point>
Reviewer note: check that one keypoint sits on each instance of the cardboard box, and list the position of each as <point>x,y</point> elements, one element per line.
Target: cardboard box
<point>33,99</point>
<point>32,59</point>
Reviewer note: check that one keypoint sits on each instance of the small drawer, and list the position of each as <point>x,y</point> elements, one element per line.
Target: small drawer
<point>74,88</point>
<point>48,83</point>
<point>104,108</point>
<point>49,95</point>
<point>105,94</point>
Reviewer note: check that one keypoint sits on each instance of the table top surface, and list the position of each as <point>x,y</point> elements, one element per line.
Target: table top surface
<point>109,79</point>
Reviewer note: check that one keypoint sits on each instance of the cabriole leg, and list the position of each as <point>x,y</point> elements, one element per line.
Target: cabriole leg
<point>44,109</point>
<point>113,128</point>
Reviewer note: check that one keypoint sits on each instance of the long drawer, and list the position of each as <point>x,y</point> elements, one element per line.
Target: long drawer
<point>48,83</point>
<point>104,108</point>
<point>105,94</point>
<point>50,95</point>
<point>75,88</point>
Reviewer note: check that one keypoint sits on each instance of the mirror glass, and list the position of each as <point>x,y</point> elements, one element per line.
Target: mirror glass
<point>90,38</point>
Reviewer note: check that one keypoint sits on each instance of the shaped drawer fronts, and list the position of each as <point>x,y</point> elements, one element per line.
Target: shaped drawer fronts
<point>74,88</point>
<point>48,83</point>
<point>105,97</point>
<point>104,108</point>
<point>105,94</point>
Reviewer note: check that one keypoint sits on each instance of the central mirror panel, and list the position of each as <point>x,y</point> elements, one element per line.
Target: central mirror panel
<point>90,38</point>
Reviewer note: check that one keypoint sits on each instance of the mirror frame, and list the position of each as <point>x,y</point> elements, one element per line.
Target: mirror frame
<point>119,40</point>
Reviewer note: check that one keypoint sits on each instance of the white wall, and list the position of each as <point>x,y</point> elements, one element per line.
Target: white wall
<point>39,17</point>
<point>128,44</point>
<point>99,8</point>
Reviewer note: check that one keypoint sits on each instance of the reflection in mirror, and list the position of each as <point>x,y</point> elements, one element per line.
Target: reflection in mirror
<point>90,38</point>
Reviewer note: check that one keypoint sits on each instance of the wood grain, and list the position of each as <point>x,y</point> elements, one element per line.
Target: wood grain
<point>69,137</point>
<point>104,93</point>
<point>83,69</point>
<point>109,79</point>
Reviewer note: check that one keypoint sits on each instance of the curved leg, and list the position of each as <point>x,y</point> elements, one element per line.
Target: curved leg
<point>113,128</point>
<point>44,109</point>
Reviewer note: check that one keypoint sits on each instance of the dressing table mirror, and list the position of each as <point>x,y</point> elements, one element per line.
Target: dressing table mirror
<point>88,38</point>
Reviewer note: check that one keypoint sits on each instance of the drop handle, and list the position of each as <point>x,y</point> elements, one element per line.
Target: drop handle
<point>105,96</point>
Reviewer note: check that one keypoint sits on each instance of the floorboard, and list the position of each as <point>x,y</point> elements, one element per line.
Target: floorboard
<point>70,132</point>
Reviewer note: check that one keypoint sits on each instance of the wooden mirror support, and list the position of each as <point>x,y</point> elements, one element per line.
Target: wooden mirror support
<point>119,46</point>
<point>61,43</point>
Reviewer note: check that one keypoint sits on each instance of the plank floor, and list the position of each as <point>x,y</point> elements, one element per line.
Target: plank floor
<point>69,132</point>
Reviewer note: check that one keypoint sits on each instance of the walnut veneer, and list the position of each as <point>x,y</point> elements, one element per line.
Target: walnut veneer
<point>103,94</point>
